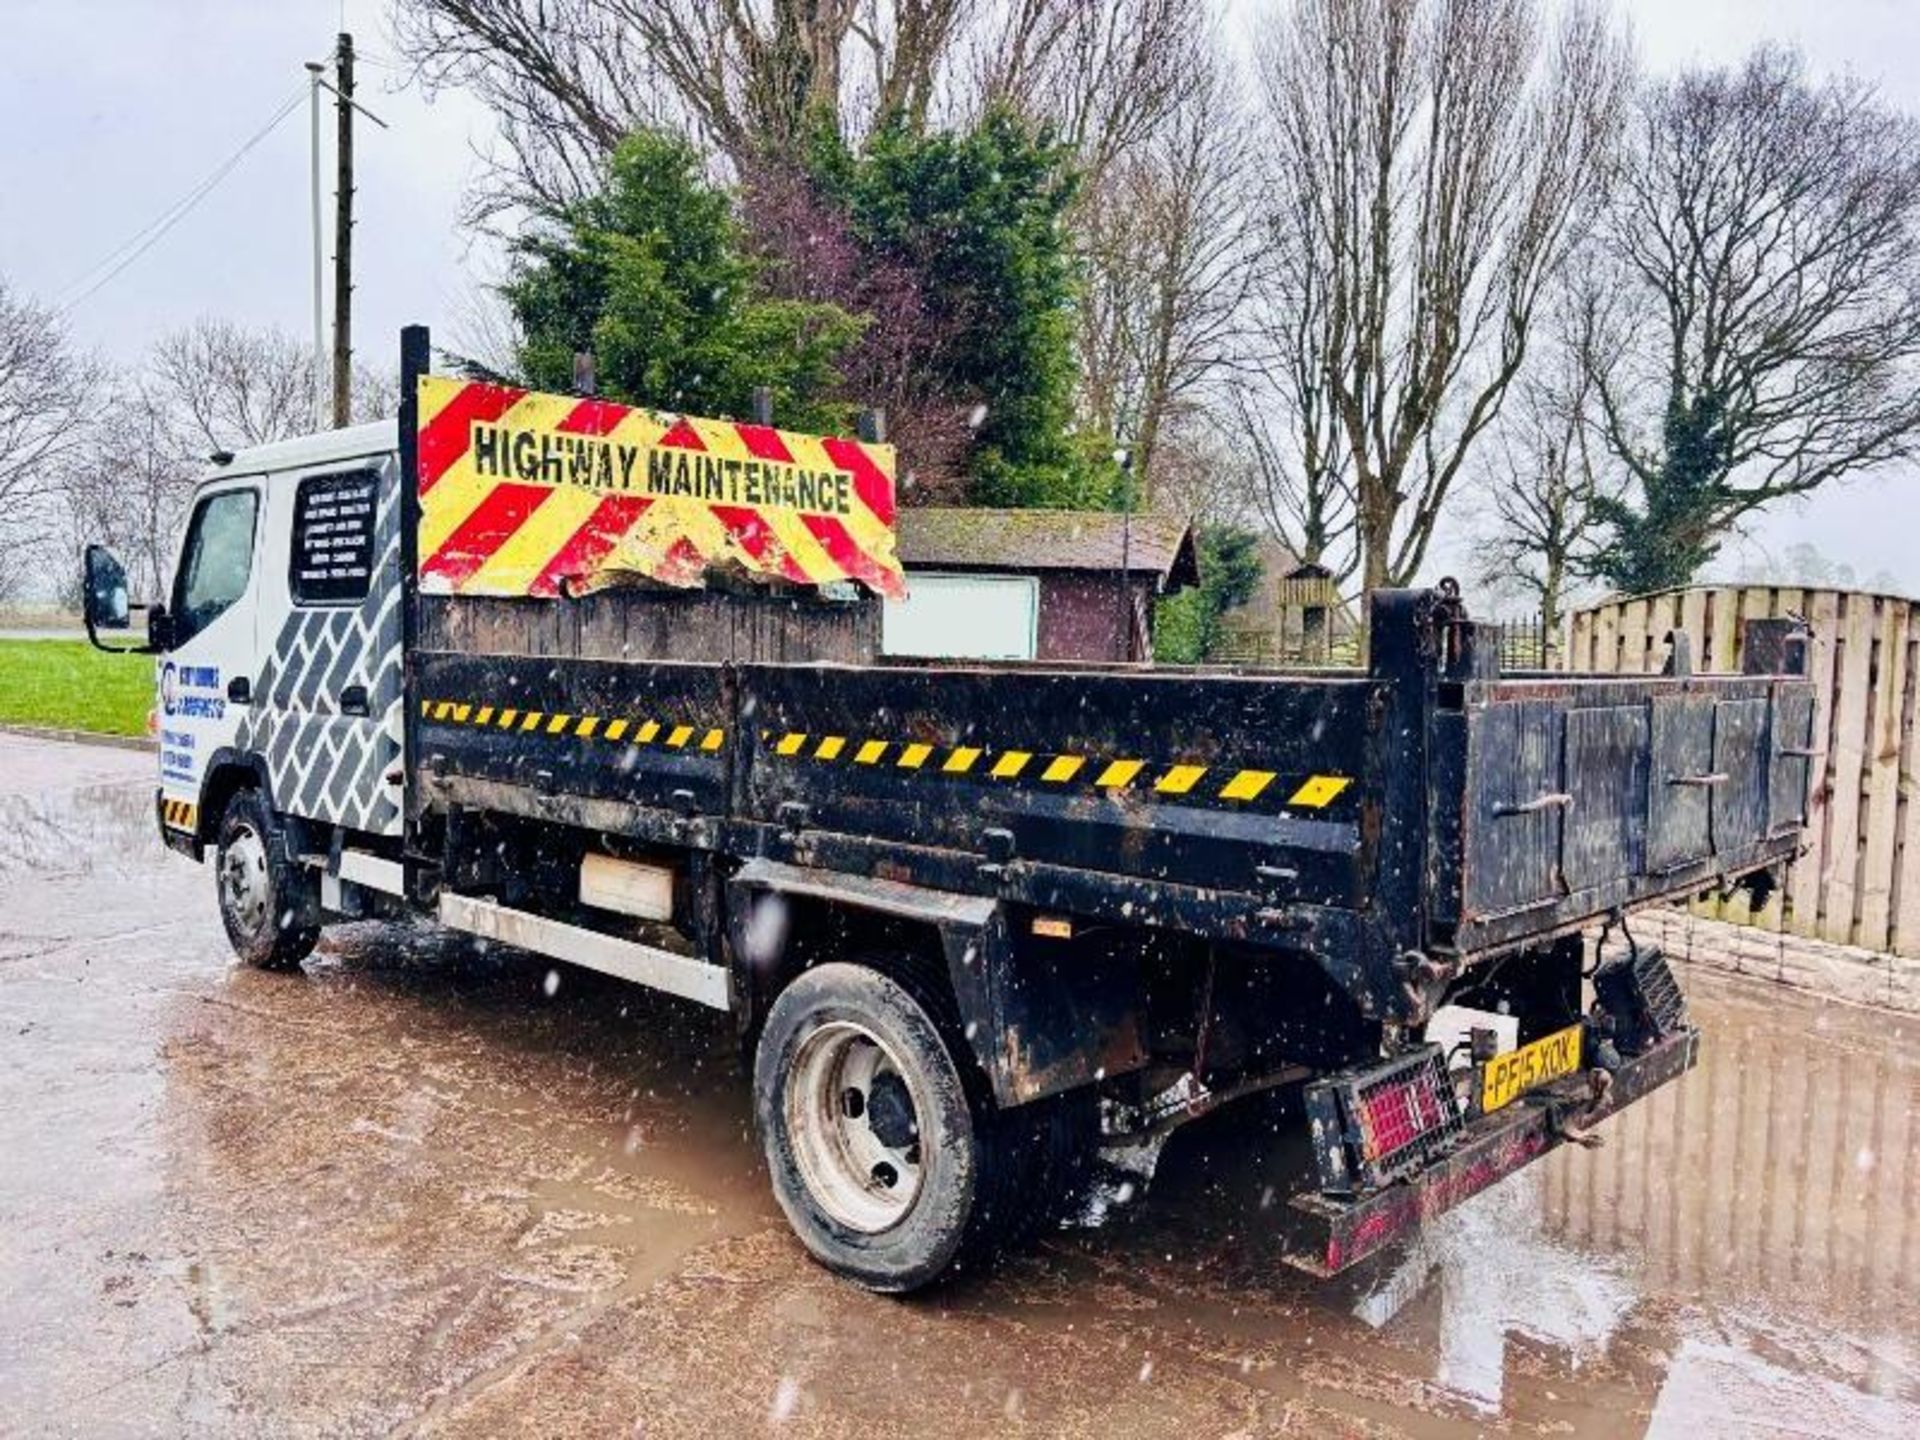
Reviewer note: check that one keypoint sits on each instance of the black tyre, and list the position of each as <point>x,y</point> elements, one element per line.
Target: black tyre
<point>886,1156</point>
<point>269,906</point>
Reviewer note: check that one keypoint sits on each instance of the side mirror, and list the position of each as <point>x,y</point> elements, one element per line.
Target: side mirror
<point>105,601</point>
<point>108,606</point>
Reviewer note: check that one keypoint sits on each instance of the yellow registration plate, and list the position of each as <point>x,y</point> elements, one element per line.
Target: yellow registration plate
<point>1509,1076</point>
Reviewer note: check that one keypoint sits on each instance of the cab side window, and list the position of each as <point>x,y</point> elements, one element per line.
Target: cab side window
<point>331,560</point>
<point>215,563</point>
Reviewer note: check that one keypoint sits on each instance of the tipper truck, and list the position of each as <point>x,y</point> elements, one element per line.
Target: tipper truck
<point>605,685</point>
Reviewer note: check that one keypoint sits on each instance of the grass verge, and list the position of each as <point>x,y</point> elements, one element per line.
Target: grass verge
<point>68,685</point>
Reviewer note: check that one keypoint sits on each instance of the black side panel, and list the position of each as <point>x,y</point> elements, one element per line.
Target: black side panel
<point>1585,793</point>
<point>1741,754</point>
<point>1219,785</point>
<point>649,735</point>
<point>1195,781</point>
<point>1606,769</point>
<point>1679,831</point>
<point>1792,742</point>
<point>1513,835</point>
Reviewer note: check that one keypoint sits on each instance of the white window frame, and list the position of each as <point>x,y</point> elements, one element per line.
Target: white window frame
<point>1029,583</point>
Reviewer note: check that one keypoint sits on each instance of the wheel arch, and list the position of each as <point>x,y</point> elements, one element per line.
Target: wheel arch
<point>228,772</point>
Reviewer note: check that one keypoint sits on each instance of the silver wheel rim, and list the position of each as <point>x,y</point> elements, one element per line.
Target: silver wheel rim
<point>843,1097</point>
<point>244,883</point>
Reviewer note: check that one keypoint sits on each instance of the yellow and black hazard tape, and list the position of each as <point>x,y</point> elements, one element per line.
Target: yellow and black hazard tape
<point>619,729</point>
<point>1112,775</point>
<point>179,814</point>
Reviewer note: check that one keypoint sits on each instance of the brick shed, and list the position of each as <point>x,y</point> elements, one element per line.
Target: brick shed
<point>1036,584</point>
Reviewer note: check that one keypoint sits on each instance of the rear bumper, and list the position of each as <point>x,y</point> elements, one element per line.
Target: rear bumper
<point>1334,1234</point>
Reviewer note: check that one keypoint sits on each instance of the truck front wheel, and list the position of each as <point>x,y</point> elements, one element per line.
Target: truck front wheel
<point>266,903</point>
<point>888,1170</point>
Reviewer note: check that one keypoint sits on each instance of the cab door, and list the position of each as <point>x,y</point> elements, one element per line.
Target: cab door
<point>327,723</point>
<point>206,674</point>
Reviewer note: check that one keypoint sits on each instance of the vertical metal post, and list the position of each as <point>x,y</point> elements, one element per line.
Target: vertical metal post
<point>416,358</point>
<point>1402,651</point>
<point>319,325</point>
<point>1125,616</point>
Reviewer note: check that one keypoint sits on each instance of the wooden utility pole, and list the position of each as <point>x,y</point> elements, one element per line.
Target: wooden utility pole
<point>343,235</point>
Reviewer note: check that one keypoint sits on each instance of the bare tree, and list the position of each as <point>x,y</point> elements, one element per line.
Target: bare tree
<point>225,387</point>
<point>1547,472</point>
<point>48,394</point>
<point>1204,473</point>
<point>233,387</point>
<point>1298,478</point>
<point>213,386</point>
<point>1169,266</point>
<point>1768,233</point>
<point>128,487</point>
<point>907,46</point>
<point>482,335</point>
<point>567,79</point>
<point>1108,73</point>
<point>1115,293</point>
<point>375,394</point>
<point>1443,150</point>
<point>1284,411</point>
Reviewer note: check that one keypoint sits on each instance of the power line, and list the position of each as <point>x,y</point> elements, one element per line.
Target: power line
<point>148,235</point>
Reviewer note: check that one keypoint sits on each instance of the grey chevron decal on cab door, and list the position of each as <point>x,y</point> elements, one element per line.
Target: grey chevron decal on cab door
<point>325,765</point>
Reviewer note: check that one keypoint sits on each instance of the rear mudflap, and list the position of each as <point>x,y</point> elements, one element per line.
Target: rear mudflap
<point>1337,1232</point>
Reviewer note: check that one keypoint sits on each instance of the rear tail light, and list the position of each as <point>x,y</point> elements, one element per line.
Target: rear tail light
<point>1372,1126</point>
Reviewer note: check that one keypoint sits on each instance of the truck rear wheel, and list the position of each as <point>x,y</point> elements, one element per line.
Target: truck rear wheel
<point>266,903</point>
<point>889,1170</point>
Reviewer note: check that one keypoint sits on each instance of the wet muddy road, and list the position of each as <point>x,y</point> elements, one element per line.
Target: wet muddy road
<point>413,1191</point>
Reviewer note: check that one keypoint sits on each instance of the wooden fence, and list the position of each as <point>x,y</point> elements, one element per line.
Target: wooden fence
<point>1858,883</point>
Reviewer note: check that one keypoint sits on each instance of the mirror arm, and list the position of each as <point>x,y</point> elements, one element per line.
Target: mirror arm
<point>93,637</point>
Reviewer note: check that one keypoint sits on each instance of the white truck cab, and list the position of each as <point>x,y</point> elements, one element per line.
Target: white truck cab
<point>278,654</point>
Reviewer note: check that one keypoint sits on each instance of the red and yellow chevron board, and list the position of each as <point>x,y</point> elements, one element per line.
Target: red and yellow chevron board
<point>526,494</point>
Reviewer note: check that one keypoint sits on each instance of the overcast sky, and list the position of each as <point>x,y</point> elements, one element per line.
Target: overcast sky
<point>114,109</point>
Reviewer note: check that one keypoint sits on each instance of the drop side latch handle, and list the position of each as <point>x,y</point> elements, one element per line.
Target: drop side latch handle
<point>1556,800</point>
